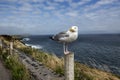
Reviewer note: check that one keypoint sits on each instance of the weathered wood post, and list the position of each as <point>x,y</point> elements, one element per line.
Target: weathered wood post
<point>11,47</point>
<point>69,66</point>
<point>1,44</point>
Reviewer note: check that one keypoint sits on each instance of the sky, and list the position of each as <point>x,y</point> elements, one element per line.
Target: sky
<point>39,17</point>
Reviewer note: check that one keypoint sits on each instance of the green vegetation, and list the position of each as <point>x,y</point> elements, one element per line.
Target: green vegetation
<point>18,70</point>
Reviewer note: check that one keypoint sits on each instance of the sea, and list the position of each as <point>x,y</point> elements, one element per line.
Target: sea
<point>101,51</point>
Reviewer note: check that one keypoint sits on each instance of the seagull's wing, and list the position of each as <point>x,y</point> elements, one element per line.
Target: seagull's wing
<point>60,36</point>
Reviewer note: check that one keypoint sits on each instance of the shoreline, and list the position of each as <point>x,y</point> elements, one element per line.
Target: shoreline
<point>81,71</point>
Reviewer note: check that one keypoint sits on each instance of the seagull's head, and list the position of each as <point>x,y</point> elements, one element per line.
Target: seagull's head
<point>73,29</point>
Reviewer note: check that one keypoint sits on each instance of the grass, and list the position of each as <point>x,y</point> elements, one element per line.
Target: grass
<point>17,69</point>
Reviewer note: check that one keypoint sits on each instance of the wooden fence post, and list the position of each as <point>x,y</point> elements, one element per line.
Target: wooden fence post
<point>1,44</point>
<point>69,66</point>
<point>11,47</point>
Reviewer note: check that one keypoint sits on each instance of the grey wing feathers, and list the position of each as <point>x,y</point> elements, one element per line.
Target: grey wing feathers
<point>60,35</point>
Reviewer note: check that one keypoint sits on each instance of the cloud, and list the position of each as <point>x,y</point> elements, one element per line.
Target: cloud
<point>78,3</point>
<point>60,0</point>
<point>72,14</point>
<point>11,30</point>
<point>104,2</point>
<point>49,8</point>
<point>26,7</point>
<point>104,20</point>
<point>104,13</point>
<point>100,3</point>
<point>33,16</point>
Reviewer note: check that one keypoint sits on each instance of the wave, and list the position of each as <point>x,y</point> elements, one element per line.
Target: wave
<point>34,46</point>
<point>25,39</point>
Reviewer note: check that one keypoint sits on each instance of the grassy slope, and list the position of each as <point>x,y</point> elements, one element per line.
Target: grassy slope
<point>12,62</point>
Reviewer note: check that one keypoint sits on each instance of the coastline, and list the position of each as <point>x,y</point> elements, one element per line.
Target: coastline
<point>33,46</point>
<point>51,61</point>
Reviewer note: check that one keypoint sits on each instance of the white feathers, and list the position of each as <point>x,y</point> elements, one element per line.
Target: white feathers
<point>68,36</point>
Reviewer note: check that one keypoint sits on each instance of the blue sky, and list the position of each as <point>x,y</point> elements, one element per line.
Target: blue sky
<point>53,16</point>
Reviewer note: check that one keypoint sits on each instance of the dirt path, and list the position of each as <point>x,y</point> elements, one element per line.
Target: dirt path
<point>37,69</point>
<point>4,73</point>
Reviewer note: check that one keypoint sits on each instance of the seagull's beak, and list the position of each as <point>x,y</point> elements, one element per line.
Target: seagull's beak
<point>71,30</point>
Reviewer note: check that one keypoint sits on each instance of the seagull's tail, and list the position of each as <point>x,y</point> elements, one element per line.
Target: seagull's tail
<point>51,38</point>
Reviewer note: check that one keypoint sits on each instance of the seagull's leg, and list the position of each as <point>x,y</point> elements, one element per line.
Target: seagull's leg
<point>67,48</point>
<point>64,48</point>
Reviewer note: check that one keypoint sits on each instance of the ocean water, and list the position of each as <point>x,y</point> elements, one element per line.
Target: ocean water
<point>98,51</point>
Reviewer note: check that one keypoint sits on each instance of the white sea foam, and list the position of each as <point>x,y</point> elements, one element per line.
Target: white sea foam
<point>25,39</point>
<point>34,46</point>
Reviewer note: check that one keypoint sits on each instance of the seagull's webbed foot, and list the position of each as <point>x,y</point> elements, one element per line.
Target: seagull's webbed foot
<point>67,52</point>
<point>66,49</point>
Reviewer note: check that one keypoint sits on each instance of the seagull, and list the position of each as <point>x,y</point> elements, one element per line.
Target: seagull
<point>66,37</point>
